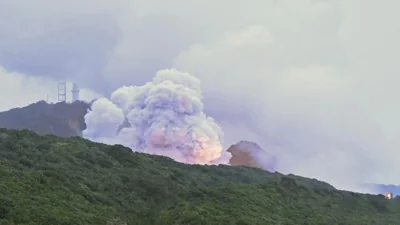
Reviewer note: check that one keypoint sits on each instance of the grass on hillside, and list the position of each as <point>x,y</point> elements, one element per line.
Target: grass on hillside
<point>71,181</point>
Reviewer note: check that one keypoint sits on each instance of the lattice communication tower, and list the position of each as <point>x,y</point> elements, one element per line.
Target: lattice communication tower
<point>62,91</point>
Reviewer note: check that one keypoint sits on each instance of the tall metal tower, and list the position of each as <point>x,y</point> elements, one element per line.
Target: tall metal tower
<point>75,92</point>
<point>62,91</point>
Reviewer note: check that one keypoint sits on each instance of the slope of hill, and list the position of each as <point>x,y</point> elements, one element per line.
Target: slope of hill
<point>60,119</point>
<point>395,189</point>
<point>51,180</point>
<point>67,119</point>
<point>382,188</point>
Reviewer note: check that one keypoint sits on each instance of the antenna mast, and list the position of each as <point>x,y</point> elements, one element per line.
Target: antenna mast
<point>75,92</point>
<point>62,91</point>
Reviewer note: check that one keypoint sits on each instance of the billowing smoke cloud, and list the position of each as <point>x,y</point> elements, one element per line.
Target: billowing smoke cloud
<point>163,117</point>
<point>322,93</point>
<point>248,153</point>
<point>103,121</point>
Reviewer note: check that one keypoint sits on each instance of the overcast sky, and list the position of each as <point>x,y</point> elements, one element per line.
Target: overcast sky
<point>314,82</point>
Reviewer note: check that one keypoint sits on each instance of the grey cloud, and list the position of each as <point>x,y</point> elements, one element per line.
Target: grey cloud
<point>58,40</point>
<point>305,92</point>
<point>72,48</point>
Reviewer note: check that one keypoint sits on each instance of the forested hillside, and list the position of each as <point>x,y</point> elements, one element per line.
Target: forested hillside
<point>60,119</point>
<point>71,181</point>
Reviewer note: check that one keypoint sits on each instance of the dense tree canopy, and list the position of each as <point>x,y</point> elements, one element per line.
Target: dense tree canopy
<point>52,180</point>
<point>60,119</point>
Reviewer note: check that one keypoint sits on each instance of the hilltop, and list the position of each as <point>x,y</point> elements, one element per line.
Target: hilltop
<point>60,119</point>
<point>52,180</point>
<point>67,119</point>
<point>384,188</point>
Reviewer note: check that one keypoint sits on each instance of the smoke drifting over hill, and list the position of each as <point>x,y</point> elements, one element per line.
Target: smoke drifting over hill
<point>165,117</point>
<point>250,154</point>
<point>295,77</point>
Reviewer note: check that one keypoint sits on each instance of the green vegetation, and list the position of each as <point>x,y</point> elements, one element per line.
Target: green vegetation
<point>47,180</point>
<point>44,118</point>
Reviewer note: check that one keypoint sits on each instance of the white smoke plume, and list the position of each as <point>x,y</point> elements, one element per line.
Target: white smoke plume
<point>163,117</point>
<point>103,121</point>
